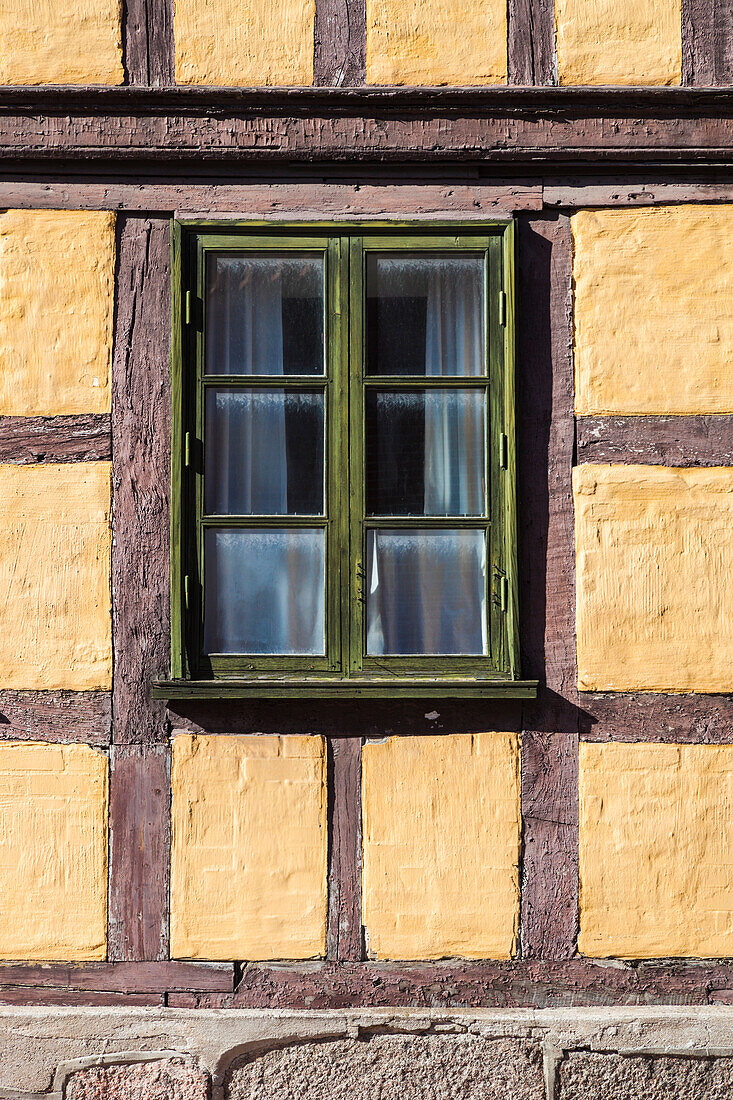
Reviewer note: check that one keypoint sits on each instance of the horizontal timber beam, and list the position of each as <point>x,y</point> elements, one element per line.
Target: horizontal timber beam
<point>121,977</point>
<point>656,440</point>
<point>506,126</point>
<point>517,984</point>
<point>26,439</point>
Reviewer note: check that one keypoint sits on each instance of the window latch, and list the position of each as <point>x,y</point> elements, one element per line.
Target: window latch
<point>502,307</point>
<point>186,590</point>
<point>503,451</point>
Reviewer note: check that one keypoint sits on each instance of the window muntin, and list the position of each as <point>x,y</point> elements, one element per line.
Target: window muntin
<point>350,502</point>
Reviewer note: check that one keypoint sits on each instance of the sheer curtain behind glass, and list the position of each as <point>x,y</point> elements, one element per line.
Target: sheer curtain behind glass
<point>264,589</point>
<point>427,588</point>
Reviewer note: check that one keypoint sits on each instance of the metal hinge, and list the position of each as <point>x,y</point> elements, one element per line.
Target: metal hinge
<point>502,307</point>
<point>503,451</point>
<point>189,301</point>
<point>504,593</point>
<point>359,580</point>
<point>185,590</point>
<point>187,450</point>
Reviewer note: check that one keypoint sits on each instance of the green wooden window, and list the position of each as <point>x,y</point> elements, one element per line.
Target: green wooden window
<point>343,461</point>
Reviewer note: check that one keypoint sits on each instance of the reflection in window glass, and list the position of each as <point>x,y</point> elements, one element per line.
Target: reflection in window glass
<point>426,592</point>
<point>264,591</point>
<point>264,452</point>
<point>425,452</point>
<point>425,314</point>
<point>264,314</point>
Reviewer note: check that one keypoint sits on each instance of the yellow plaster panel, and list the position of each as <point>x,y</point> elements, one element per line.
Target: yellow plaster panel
<point>55,545</point>
<point>248,874</point>
<point>53,852</point>
<point>656,859</point>
<point>654,578</point>
<point>653,323</point>
<point>619,41</point>
<point>244,42</point>
<point>61,42</point>
<point>56,311</point>
<point>436,42</point>
<point>441,846</point>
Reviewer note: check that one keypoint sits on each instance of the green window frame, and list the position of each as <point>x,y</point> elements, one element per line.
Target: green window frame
<point>345,669</point>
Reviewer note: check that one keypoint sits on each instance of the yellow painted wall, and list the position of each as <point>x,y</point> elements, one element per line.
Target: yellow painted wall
<point>55,545</point>
<point>61,42</point>
<point>56,311</point>
<point>248,874</point>
<point>656,858</point>
<point>654,578</point>
<point>436,42</point>
<point>619,41</point>
<point>244,42</point>
<point>653,322</point>
<point>53,852</point>
<point>441,846</point>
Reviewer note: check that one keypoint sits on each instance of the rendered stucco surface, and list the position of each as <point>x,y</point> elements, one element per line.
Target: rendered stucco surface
<point>654,578</point>
<point>656,862</point>
<point>61,42</point>
<point>56,311</point>
<point>674,355</point>
<point>53,852</point>
<point>164,1079</point>
<point>441,846</point>
<point>244,42</point>
<point>248,875</point>
<point>589,1076</point>
<point>436,42</point>
<point>55,547</point>
<point>619,41</point>
<point>394,1067</point>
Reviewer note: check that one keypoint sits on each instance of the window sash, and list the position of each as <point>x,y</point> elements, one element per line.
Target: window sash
<point>345,385</point>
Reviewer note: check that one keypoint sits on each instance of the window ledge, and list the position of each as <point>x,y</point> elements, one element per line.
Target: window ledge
<point>371,687</point>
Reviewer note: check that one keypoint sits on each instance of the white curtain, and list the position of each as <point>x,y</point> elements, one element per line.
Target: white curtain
<point>426,589</point>
<point>276,607</point>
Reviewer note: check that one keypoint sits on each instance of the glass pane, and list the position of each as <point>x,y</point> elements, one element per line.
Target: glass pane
<point>426,592</point>
<point>264,314</point>
<point>425,453</point>
<point>425,314</point>
<point>264,452</point>
<point>264,591</point>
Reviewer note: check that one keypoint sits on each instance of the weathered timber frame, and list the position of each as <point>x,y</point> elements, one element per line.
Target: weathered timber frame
<point>345,669</point>
<point>534,152</point>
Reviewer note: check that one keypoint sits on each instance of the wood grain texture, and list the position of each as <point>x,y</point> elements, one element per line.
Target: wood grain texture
<point>509,125</point>
<point>518,984</point>
<point>339,57</point>
<point>148,50</point>
<point>141,411</point>
<point>74,998</point>
<point>344,934</point>
<point>141,414</point>
<point>586,191</point>
<point>659,440</point>
<point>531,42</point>
<point>188,195</point>
<point>547,596</point>
<point>707,42</point>
<point>130,977</point>
<point>687,719</point>
<point>83,438</point>
<point>139,855</point>
<point>65,716</point>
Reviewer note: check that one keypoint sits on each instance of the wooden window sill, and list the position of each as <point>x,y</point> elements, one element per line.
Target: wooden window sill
<point>362,687</point>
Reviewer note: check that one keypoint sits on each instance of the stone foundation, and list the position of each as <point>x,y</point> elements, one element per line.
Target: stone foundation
<point>410,1054</point>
